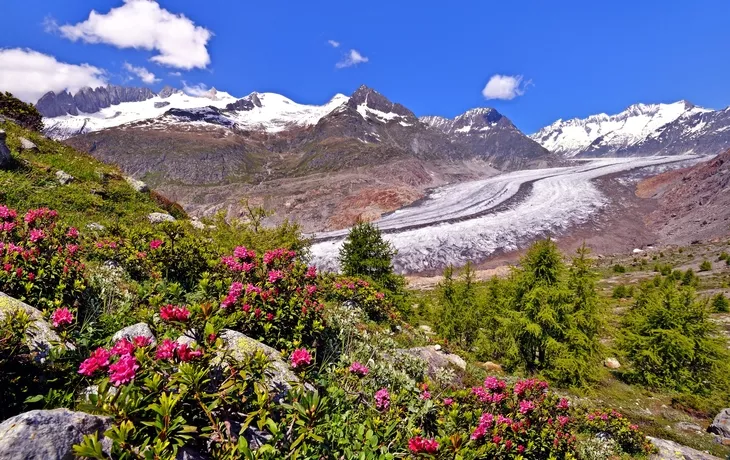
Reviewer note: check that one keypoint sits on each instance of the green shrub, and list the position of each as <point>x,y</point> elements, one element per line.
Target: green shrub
<point>705,266</point>
<point>724,256</point>
<point>672,343</point>
<point>720,303</point>
<point>25,114</point>
<point>622,292</point>
<point>618,268</point>
<point>689,278</point>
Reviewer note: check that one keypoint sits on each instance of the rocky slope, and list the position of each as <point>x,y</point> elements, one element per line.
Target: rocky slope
<point>306,161</point>
<point>694,203</point>
<point>640,130</point>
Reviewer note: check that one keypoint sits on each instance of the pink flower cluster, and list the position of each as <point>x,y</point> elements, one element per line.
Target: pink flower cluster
<point>234,292</point>
<point>531,387</point>
<point>124,369</point>
<point>72,232</point>
<point>486,421</point>
<point>311,272</point>
<point>7,218</point>
<point>300,357</point>
<point>526,407</point>
<point>275,275</point>
<point>242,261</point>
<point>419,445</point>
<point>493,391</point>
<point>36,235</point>
<point>156,244</point>
<point>40,217</point>
<point>279,255</point>
<point>382,399</point>
<point>359,369</point>
<point>62,317</point>
<point>563,404</point>
<point>168,349</point>
<point>174,313</point>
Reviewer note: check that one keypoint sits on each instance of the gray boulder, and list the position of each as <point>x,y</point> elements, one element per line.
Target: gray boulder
<point>670,450</point>
<point>47,434</point>
<point>280,378</point>
<point>159,217</point>
<point>135,330</point>
<point>721,424</point>
<point>137,185</point>
<point>40,335</point>
<point>436,358</point>
<point>26,144</point>
<point>5,157</point>
<point>63,177</point>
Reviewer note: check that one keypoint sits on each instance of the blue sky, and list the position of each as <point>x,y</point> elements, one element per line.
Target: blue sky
<point>575,57</point>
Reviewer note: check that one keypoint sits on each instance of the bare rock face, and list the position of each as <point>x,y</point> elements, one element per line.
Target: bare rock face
<point>721,425</point>
<point>40,335</point>
<point>670,450</point>
<point>47,434</point>
<point>88,100</point>
<point>5,157</point>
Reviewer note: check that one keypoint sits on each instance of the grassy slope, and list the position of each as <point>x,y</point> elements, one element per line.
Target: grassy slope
<point>659,413</point>
<point>99,192</point>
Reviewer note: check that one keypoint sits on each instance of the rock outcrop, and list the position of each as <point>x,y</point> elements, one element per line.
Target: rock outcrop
<point>135,330</point>
<point>436,358</point>
<point>670,450</point>
<point>40,335</point>
<point>47,434</point>
<point>88,100</point>
<point>5,157</point>
<point>159,217</point>
<point>721,426</point>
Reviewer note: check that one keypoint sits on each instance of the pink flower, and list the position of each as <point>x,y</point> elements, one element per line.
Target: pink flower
<point>563,420</point>
<point>379,295</point>
<point>166,349</point>
<point>141,341</point>
<point>72,232</point>
<point>62,317</point>
<point>98,359</point>
<point>72,248</point>
<point>448,402</point>
<point>242,253</point>
<point>382,399</point>
<point>529,385</point>
<point>269,317</point>
<point>122,347</point>
<point>280,254</point>
<point>174,313</point>
<point>36,235</point>
<point>425,394</point>
<point>155,244</point>
<point>275,275</point>
<point>185,353</point>
<point>359,369</point>
<point>419,445</point>
<point>311,272</point>
<point>123,371</point>
<point>7,213</point>
<point>563,404</point>
<point>311,289</point>
<point>526,407</point>
<point>300,357</point>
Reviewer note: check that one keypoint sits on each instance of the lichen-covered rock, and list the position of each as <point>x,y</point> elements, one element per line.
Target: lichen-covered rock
<point>159,217</point>
<point>135,330</point>
<point>47,434</point>
<point>721,424</point>
<point>63,177</point>
<point>5,157</point>
<point>670,450</point>
<point>26,144</point>
<point>40,335</point>
<point>280,378</point>
<point>137,185</point>
<point>436,358</point>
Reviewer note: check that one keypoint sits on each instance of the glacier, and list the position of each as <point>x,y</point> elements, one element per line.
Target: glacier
<point>473,220</point>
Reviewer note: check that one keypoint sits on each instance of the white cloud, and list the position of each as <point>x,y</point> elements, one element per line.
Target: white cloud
<point>334,43</point>
<point>145,75</point>
<point>350,59</point>
<point>143,24</point>
<point>175,74</point>
<point>505,87</point>
<point>29,74</point>
<point>196,89</point>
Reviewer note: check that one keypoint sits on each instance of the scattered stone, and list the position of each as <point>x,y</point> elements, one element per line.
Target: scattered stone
<point>637,251</point>
<point>48,434</point>
<point>95,227</point>
<point>688,426</point>
<point>435,357</point>
<point>611,363</point>
<point>280,378</point>
<point>135,330</point>
<point>721,424</point>
<point>5,157</point>
<point>670,450</point>
<point>40,335</point>
<point>63,177</point>
<point>137,185</point>
<point>159,217</point>
<point>26,144</point>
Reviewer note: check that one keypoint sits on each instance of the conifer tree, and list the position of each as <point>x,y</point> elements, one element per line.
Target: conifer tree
<point>459,316</point>
<point>366,253</point>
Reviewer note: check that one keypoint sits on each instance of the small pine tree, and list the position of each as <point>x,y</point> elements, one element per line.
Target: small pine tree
<point>689,278</point>
<point>720,303</point>
<point>706,266</point>
<point>459,316</point>
<point>366,254</point>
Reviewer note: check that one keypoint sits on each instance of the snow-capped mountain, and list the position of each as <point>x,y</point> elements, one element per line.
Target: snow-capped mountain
<point>266,112</point>
<point>605,135</point>
<point>472,121</point>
